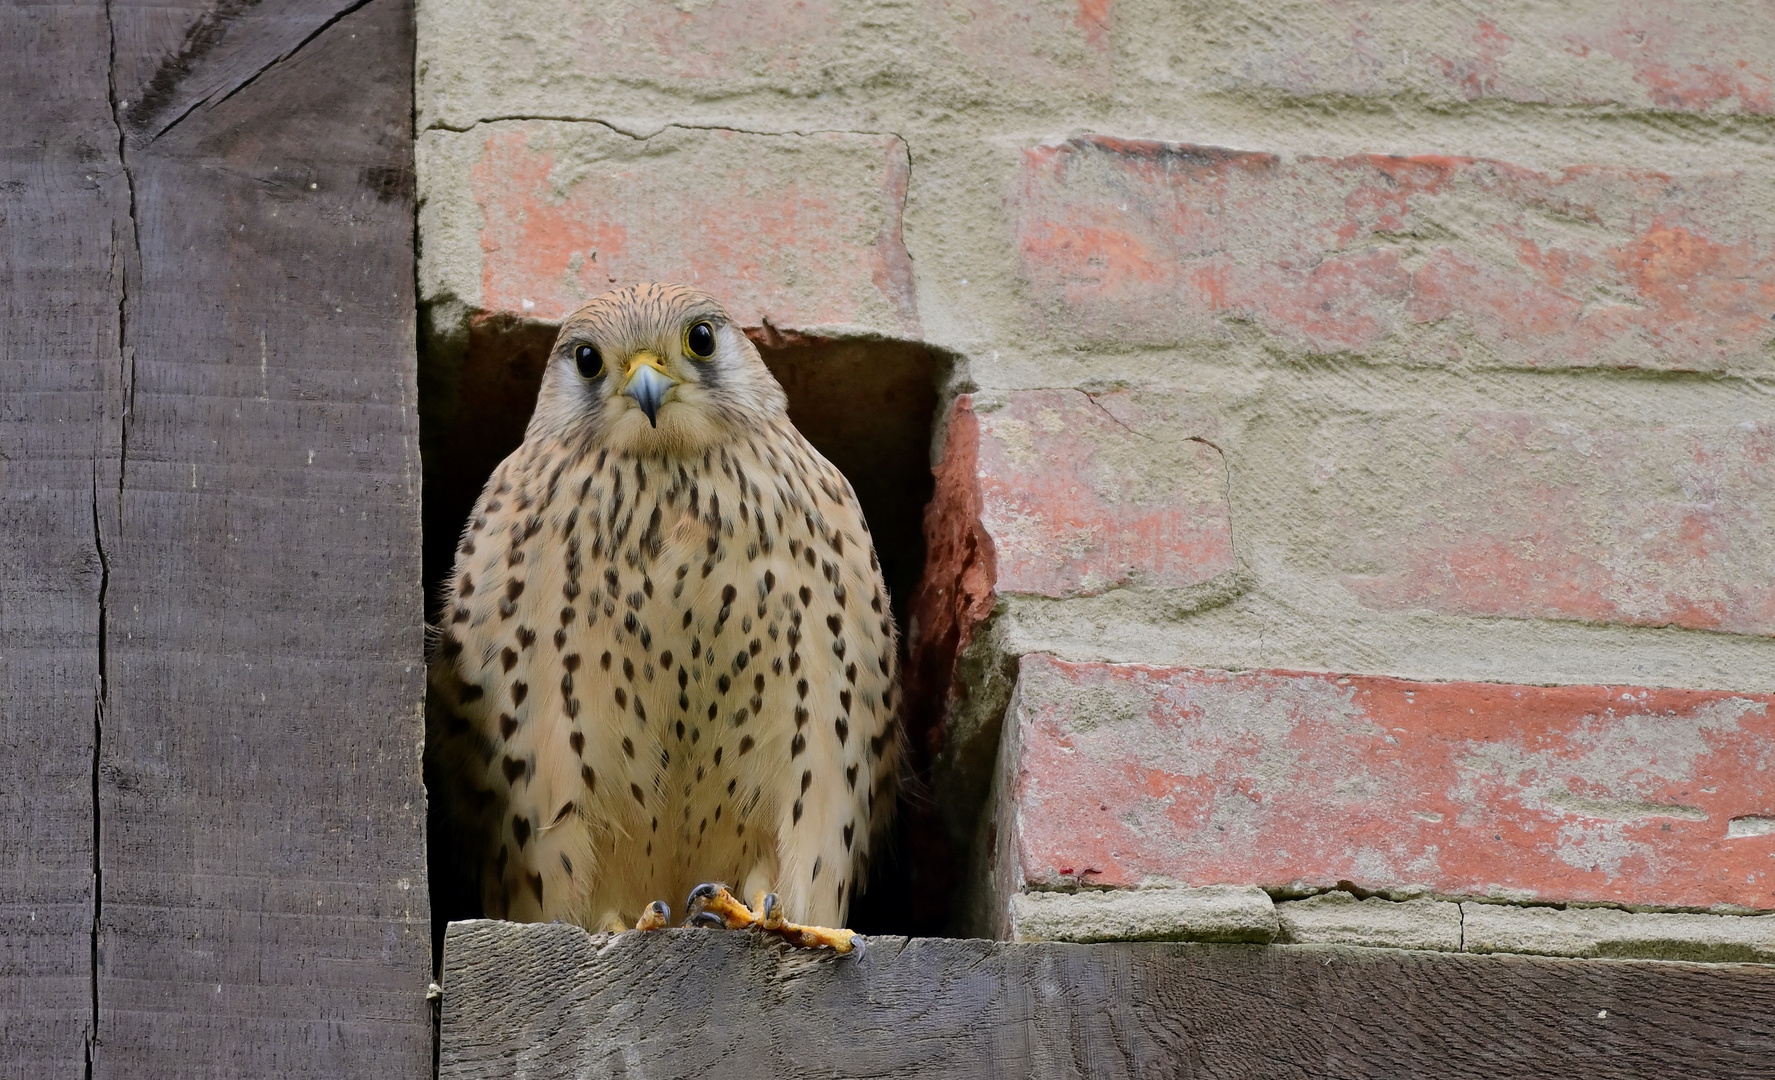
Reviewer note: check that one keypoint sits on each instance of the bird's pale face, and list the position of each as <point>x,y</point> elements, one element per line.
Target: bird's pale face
<point>654,368</point>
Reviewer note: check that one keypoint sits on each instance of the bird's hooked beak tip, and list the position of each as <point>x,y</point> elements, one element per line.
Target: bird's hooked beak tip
<point>648,383</point>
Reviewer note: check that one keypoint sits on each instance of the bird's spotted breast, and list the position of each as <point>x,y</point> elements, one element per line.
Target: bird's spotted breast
<point>670,670</point>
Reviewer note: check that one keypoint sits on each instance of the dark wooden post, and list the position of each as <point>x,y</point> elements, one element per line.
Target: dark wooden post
<point>210,506</point>
<point>64,226</point>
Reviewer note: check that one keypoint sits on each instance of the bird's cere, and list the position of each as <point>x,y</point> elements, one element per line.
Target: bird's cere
<point>648,383</point>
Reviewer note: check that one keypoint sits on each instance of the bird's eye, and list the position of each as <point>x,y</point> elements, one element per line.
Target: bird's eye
<point>590,364</point>
<point>699,340</point>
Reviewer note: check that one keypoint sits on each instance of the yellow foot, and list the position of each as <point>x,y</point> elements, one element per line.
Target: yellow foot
<point>655,917</point>
<point>713,905</point>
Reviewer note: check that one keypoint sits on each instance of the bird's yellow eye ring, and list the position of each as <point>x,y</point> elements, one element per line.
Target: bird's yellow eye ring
<point>699,340</point>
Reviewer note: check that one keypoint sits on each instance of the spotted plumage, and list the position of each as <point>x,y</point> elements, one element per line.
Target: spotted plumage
<point>664,657</point>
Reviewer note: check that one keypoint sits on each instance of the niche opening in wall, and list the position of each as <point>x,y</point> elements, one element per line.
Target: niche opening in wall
<point>868,406</point>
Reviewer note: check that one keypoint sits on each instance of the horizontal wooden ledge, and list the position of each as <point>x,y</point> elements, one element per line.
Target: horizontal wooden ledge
<point>550,1000</point>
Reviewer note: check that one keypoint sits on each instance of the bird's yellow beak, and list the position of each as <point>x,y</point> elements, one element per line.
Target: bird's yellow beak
<point>645,380</point>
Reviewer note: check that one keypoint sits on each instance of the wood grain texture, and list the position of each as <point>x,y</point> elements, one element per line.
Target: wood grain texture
<point>263,904</point>
<point>544,1001</point>
<point>63,241</point>
<point>175,61</point>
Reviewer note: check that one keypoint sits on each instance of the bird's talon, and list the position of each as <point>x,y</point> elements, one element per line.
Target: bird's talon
<point>712,905</point>
<point>714,901</point>
<point>656,917</point>
<point>817,937</point>
<point>770,912</point>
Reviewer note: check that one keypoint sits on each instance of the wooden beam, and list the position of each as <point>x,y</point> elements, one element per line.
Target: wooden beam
<point>545,1001</point>
<point>263,905</point>
<point>64,246</point>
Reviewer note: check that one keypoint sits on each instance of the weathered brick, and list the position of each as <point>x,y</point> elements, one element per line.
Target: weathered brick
<point>1606,932</point>
<point>955,593</point>
<point>1416,259</point>
<point>1703,56</point>
<point>1053,493</point>
<point>1523,515</point>
<point>1337,918</point>
<point>799,231</point>
<point>1225,913</point>
<point>731,46</point>
<point>1081,493</point>
<point>1121,775</point>
<point>845,62</point>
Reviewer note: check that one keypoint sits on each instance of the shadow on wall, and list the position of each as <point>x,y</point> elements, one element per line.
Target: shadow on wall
<point>868,406</point>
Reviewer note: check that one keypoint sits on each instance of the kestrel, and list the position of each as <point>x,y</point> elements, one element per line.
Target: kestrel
<point>665,657</point>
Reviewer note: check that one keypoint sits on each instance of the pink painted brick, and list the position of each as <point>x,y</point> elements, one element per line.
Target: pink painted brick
<point>1701,56</point>
<point>797,231</point>
<point>1416,259</point>
<point>1119,774</point>
<point>1520,515</point>
<point>1081,493</point>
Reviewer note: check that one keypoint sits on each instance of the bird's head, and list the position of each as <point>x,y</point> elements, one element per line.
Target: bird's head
<point>652,368</point>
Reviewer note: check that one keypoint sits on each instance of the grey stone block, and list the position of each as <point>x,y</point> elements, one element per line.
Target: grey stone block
<point>1604,932</point>
<point>1213,913</point>
<point>1337,918</point>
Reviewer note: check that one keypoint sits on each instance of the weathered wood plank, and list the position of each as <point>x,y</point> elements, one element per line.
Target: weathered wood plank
<point>181,58</point>
<point>545,1001</point>
<point>63,204</point>
<point>263,906</point>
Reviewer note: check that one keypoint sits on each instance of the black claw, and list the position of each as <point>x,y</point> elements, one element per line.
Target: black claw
<point>662,909</point>
<point>707,920</point>
<point>857,947</point>
<point>707,890</point>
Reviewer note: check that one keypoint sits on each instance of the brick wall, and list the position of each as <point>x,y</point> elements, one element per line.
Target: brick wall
<point>1355,475</point>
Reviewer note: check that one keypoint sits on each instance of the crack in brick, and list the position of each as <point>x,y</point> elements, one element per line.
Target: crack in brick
<point>642,136</point>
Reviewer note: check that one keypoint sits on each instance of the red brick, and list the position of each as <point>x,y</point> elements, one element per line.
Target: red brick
<point>1080,493</point>
<point>1423,259</point>
<point>799,231</point>
<point>1521,515</point>
<point>1122,774</point>
<point>1698,56</point>
<point>1055,493</point>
